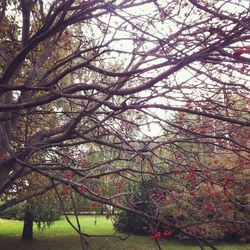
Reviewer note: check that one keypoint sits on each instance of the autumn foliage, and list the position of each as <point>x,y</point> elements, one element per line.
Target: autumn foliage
<point>99,97</point>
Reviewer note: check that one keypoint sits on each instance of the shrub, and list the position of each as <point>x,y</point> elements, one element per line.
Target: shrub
<point>218,219</point>
<point>15,212</point>
<point>132,223</point>
<point>45,210</point>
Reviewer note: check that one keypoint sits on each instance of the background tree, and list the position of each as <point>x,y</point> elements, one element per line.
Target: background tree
<point>42,210</point>
<point>130,79</point>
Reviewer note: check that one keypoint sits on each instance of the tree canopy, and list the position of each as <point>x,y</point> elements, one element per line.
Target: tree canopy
<point>94,93</point>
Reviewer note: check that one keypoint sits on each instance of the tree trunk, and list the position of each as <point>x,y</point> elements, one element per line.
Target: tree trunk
<point>28,225</point>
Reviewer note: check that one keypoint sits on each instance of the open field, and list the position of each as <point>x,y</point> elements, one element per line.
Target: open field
<point>61,236</point>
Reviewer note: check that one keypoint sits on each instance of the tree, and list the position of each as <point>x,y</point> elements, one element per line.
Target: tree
<point>43,210</point>
<point>83,77</point>
<point>209,182</point>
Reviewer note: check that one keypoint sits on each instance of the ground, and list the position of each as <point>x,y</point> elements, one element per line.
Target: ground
<point>61,236</point>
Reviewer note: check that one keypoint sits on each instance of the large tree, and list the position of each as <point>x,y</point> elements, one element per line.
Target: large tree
<point>126,80</point>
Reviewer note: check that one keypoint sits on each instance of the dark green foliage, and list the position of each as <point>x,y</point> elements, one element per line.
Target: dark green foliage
<point>132,223</point>
<point>82,204</point>
<point>15,212</point>
<point>45,210</point>
<point>217,230</point>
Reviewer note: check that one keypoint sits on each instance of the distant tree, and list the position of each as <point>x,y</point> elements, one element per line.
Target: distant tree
<point>159,88</point>
<point>43,209</point>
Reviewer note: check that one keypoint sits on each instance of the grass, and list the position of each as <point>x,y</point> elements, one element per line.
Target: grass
<point>61,236</point>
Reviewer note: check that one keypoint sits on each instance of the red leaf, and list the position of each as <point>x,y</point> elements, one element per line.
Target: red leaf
<point>243,68</point>
<point>119,185</point>
<point>84,189</point>
<point>247,190</point>
<point>4,156</point>
<point>167,233</point>
<point>68,174</point>
<point>61,128</point>
<point>207,206</point>
<point>239,52</point>
<point>192,176</point>
<point>156,236</point>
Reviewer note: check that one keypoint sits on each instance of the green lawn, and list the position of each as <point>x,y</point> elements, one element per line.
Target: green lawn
<point>61,236</point>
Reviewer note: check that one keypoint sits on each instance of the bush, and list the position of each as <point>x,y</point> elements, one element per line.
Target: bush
<point>132,223</point>
<point>218,220</point>
<point>45,210</point>
<point>15,212</point>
